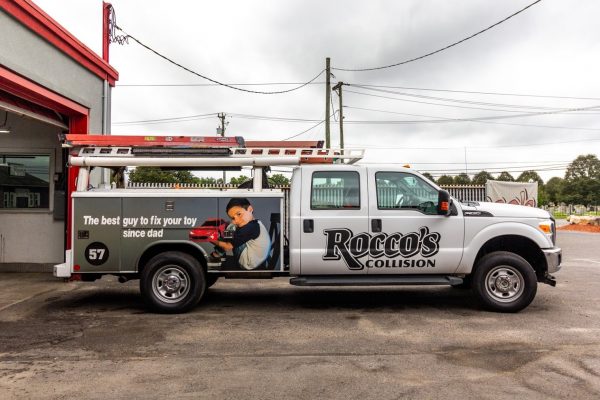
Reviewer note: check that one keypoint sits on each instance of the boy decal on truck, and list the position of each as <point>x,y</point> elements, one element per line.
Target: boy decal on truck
<point>342,243</point>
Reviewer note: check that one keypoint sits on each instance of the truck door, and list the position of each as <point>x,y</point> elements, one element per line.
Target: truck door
<point>334,217</point>
<point>407,235</point>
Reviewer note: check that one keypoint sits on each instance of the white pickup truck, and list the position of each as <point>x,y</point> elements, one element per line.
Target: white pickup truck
<point>338,225</point>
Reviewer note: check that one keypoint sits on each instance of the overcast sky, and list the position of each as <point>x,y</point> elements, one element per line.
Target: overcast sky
<point>551,49</point>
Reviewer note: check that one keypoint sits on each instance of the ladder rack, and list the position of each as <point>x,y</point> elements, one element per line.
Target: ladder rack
<point>232,157</point>
<point>198,151</point>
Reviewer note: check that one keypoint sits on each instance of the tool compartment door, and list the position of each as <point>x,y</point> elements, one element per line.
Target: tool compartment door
<point>97,234</point>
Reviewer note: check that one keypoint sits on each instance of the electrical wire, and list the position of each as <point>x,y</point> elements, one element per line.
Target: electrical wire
<point>475,92</point>
<point>444,119</point>
<point>358,146</point>
<point>164,120</point>
<point>439,50</point>
<point>365,85</point>
<point>213,80</point>
<point>565,110</point>
<point>216,84</point>
<point>460,100</point>
<point>303,132</point>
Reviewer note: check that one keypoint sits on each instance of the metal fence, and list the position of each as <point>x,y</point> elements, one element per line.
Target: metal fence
<point>466,192</point>
<point>332,194</point>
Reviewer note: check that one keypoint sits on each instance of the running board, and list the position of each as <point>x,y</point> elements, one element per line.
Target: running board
<point>375,280</point>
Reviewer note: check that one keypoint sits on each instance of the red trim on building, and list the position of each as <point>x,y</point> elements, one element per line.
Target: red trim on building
<point>79,117</point>
<point>106,10</point>
<point>30,15</point>
<point>31,91</point>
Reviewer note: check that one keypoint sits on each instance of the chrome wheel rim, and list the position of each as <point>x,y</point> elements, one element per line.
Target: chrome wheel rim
<point>504,283</point>
<point>171,283</point>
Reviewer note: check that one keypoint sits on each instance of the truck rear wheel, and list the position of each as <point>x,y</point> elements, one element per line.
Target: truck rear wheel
<point>504,282</point>
<point>172,282</point>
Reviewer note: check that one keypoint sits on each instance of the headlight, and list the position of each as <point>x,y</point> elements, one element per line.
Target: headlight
<point>549,228</point>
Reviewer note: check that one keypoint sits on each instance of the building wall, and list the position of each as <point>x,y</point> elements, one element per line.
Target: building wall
<point>32,236</point>
<point>35,236</point>
<point>24,52</point>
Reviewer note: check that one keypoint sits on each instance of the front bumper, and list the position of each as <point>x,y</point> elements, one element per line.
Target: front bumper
<point>553,258</point>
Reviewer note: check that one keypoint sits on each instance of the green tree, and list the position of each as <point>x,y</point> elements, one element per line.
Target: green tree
<point>582,181</point>
<point>429,176</point>
<point>506,177</point>
<point>462,179</point>
<point>208,181</point>
<point>239,180</point>
<point>530,176</point>
<point>553,189</point>
<point>157,175</point>
<point>445,180</point>
<point>587,166</point>
<point>482,177</point>
<point>278,180</point>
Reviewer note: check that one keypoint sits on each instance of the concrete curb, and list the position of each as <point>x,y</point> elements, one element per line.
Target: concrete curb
<point>26,267</point>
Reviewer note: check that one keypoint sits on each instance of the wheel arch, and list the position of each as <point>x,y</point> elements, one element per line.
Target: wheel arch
<point>163,246</point>
<point>520,245</point>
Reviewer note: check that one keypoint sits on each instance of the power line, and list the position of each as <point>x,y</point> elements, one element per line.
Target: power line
<point>445,119</point>
<point>211,115</point>
<point>213,80</point>
<point>216,84</point>
<point>164,120</point>
<point>303,132</point>
<point>446,105</point>
<point>470,119</point>
<point>365,85</point>
<point>439,50</point>
<point>475,92</point>
<point>543,163</point>
<point>270,118</point>
<point>473,147</point>
<point>460,100</point>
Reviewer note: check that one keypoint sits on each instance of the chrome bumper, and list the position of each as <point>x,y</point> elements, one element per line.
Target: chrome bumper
<point>553,258</point>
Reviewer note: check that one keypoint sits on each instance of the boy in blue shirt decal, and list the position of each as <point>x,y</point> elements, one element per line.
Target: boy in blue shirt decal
<point>251,243</point>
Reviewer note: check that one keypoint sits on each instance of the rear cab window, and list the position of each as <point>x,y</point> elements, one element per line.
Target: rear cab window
<point>335,190</point>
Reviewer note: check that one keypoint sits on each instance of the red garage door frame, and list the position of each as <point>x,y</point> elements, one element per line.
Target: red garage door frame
<point>79,117</point>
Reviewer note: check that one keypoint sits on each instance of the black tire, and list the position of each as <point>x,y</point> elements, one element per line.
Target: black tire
<point>211,279</point>
<point>504,282</point>
<point>172,282</point>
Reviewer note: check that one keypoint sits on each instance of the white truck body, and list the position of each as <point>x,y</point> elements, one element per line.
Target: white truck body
<point>346,225</point>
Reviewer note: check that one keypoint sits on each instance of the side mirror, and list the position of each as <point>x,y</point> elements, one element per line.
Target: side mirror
<point>444,201</point>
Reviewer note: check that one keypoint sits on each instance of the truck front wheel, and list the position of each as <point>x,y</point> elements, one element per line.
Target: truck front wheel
<point>504,282</point>
<point>172,282</point>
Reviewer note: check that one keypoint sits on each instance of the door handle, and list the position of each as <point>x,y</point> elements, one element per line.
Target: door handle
<point>309,226</point>
<point>376,225</point>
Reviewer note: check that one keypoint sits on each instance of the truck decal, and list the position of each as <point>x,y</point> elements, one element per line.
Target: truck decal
<point>343,243</point>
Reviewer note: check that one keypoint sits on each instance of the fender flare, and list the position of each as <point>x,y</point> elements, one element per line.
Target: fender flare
<point>496,230</point>
<point>152,245</point>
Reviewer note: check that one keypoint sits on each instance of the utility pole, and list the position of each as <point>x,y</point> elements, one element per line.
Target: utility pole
<point>338,88</point>
<point>327,100</point>
<point>221,131</point>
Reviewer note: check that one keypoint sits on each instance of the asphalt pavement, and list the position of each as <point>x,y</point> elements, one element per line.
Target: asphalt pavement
<point>270,340</point>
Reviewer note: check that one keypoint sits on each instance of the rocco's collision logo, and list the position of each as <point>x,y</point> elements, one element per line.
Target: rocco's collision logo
<point>341,242</point>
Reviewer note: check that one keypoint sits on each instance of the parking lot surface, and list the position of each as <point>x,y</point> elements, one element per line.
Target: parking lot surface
<point>270,340</point>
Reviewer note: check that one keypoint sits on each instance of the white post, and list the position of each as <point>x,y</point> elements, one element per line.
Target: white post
<point>83,179</point>
<point>257,186</point>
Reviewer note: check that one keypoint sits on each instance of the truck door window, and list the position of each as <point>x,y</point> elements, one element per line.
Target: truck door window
<point>401,190</point>
<point>334,190</point>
